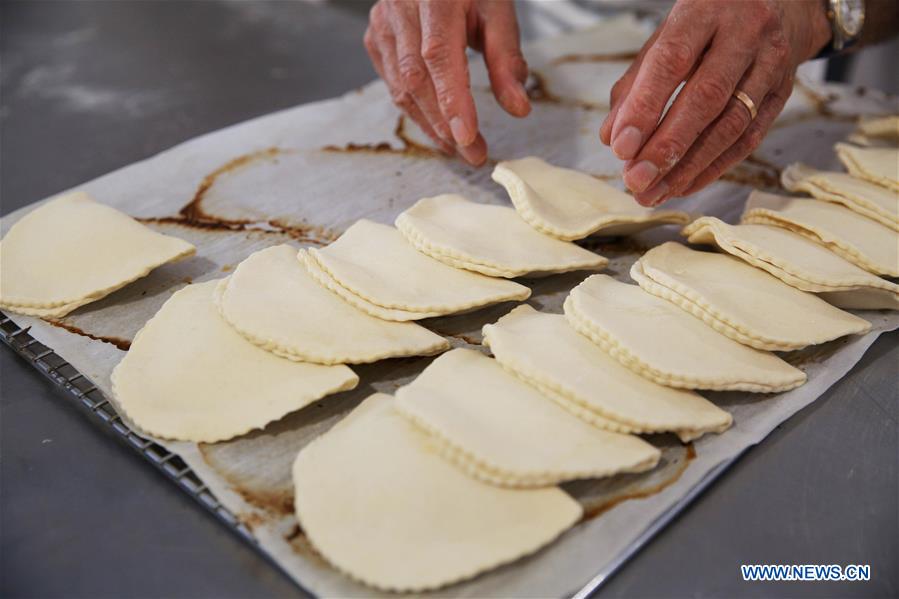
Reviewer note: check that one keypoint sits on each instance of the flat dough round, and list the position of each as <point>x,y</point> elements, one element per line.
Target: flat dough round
<point>271,299</point>
<point>491,240</point>
<point>328,282</point>
<point>72,251</point>
<point>507,432</point>
<point>545,351</point>
<point>860,240</point>
<point>376,263</point>
<point>659,341</point>
<point>190,377</point>
<point>867,199</point>
<point>877,165</point>
<point>382,507</point>
<point>743,302</point>
<point>796,261</point>
<point>569,204</point>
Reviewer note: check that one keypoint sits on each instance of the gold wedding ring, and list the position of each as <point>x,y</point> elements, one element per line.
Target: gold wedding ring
<point>746,101</point>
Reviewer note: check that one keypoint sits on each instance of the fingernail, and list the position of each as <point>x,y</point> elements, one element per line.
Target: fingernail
<point>654,196</point>
<point>461,134</point>
<point>627,143</point>
<point>515,99</point>
<point>640,176</point>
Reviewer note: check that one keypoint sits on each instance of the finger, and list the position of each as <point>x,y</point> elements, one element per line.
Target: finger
<point>702,99</point>
<point>385,44</point>
<point>667,63</point>
<point>443,42</point>
<point>502,53</point>
<point>414,112</point>
<point>621,88</point>
<point>717,137</point>
<point>411,70</point>
<point>474,153</point>
<point>749,141</point>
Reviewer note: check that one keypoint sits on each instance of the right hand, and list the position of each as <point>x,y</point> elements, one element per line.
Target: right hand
<point>418,49</point>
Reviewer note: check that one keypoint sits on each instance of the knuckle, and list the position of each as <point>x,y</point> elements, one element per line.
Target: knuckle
<point>434,49</point>
<point>403,99</point>
<point>675,57</point>
<point>412,72</point>
<point>711,93</point>
<point>671,151</point>
<point>753,139</point>
<point>733,123</point>
<point>643,104</point>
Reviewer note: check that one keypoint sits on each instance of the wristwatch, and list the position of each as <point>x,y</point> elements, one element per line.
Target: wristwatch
<point>847,17</point>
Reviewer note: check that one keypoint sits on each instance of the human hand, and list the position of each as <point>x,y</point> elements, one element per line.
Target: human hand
<point>418,49</point>
<point>718,48</point>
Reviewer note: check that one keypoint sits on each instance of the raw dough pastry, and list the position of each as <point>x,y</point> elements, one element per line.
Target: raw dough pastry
<point>880,127</point>
<point>72,251</point>
<point>190,377</point>
<point>569,204</point>
<point>861,196</point>
<point>543,350</point>
<point>376,263</point>
<point>858,239</point>
<point>327,281</point>
<point>745,303</point>
<point>271,299</point>
<point>505,432</point>
<point>661,342</point>
<point>877,165</point>
<point>378,503</point>
<point>798,262</point>
<point>491,240</point>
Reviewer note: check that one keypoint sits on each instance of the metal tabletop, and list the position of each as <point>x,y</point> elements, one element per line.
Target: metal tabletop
<point>88,87</point>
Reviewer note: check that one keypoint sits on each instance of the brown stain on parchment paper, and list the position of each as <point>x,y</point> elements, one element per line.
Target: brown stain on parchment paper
<point>581,58</point>
<point>122,344</point>
<point>410,147</point>
<point>194,214</point>
<point>597,496</point>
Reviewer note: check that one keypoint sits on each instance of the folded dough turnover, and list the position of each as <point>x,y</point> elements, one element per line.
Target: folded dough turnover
<point>743,302</point>
<point>569,204</point>
<point>505,432</point>
<point>877,165</point>
<point>797,261</point>
<point>273,301</point>
<point>661,342</point>
<point>860,240</point>
<point>328,282</point>
<point>189,376</point>
<point>880,127</point>
<point>866,198</point>
<point>376,263</point>
<point>543,350</point>
<point>72,251</point>
<point>491,240</point>
<point>378,503</point>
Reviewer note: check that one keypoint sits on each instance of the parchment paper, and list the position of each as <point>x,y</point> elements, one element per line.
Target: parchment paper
<point>303,175</point>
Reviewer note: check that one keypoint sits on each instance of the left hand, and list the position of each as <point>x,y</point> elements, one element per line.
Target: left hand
<point>718,47</point>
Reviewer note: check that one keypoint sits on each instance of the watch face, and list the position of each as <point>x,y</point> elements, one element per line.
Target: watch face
<point>851,16</point>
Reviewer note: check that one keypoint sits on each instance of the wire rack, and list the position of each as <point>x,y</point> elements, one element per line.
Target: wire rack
<point>98,408</point>
<point>91,400</point>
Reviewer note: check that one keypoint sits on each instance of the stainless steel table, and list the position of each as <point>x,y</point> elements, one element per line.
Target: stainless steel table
<point>91,86</point>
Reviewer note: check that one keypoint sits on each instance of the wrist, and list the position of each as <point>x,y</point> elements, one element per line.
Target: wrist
<point>821,31</point>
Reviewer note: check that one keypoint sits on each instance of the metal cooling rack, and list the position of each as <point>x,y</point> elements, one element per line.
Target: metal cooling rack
<point>92,402</point>
<point>97,407</point>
